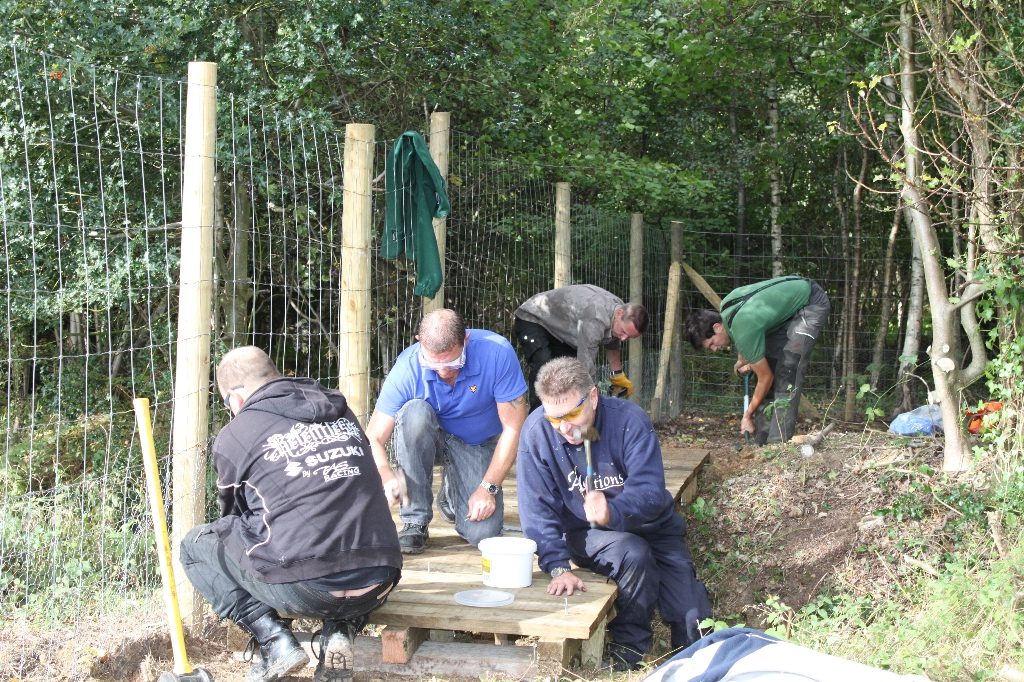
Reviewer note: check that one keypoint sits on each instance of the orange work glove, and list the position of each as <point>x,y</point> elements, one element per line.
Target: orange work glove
<point>621,386</point>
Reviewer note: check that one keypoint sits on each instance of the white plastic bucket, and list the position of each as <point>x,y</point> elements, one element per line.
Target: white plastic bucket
<point>507,562</point>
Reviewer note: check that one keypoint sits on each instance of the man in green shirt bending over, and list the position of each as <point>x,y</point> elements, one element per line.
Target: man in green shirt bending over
<point>774,325</point>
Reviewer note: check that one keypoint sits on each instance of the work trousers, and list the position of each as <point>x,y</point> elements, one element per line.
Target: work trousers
<point>652,568</point>
<point>788,351</point>
<point>419,444</point>
<point>537,346</point>
<point>238,595</point>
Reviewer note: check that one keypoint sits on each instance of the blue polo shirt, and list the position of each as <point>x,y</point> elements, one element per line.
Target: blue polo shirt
<point>468,409</point>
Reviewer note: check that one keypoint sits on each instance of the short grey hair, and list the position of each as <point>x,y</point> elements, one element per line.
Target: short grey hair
<point>562,375</point>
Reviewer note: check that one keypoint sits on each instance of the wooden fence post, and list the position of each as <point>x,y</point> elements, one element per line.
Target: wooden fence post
<point>563,235</point>
<point>192,364</point>
<point>440,126</point>
<point>679,343</point>
<point>667,340</point>
<point>356,227</point>
<point>636,295</point>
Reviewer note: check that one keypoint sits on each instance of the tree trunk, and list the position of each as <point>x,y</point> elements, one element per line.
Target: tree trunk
<point>238,279</point>
<point>881,333</point>
<point>969,314</point>
<point>776,184</point>
<point>838,362</point>
<point>850,368</point>
<point>912,321</point>
<point>741,201</point>
<point>942,352</point>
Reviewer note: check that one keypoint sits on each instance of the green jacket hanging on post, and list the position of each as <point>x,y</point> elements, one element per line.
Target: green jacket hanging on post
<point>415,195</point>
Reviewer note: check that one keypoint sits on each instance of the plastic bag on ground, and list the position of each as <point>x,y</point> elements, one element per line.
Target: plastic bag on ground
<point>923,421</point>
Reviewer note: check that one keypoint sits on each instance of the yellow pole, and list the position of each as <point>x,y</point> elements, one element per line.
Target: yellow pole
<point>163,542</point>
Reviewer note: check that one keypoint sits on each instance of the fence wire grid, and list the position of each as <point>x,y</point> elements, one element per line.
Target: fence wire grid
<point>90,210</point>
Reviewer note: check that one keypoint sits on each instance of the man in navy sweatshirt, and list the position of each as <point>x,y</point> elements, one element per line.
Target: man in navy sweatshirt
<point>304,526</point>
<point>626,528</point>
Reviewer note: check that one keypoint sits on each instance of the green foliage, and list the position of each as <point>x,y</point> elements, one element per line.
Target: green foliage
<point>701,510</point>
<point>872,411</point>
<point>91,536</point>
<point>778,616</point>
<point>909,629</point>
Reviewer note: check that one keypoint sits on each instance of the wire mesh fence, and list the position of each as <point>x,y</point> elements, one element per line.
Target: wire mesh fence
<point>91,166</point>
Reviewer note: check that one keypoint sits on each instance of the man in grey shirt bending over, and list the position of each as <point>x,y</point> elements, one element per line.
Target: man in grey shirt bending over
<point>575,321</point>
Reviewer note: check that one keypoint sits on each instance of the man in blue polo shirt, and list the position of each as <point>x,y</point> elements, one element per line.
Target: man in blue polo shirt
<point>457,397</point>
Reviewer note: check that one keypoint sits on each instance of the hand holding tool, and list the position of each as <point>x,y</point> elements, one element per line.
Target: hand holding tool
<point>589,434</point>
<point>397,488</point>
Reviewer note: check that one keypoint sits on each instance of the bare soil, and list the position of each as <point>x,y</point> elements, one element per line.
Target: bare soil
<point>771,522</point>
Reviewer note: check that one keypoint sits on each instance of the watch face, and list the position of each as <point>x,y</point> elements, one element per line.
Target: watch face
<point>491,488</point>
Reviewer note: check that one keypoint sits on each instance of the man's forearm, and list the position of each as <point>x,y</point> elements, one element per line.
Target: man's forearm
<point>504,456</point>
<point>764,383</point>
<point>614,357</point>
<point>380,455</point>
<point>378,432</point>
<point>512,415</point>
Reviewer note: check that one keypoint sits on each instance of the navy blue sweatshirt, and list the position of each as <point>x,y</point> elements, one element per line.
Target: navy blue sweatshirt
<point>300,495</point>
<point>551,473</point>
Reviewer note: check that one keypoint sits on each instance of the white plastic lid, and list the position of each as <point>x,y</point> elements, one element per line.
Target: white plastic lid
<point>503,545</point>
<point>484,598</point>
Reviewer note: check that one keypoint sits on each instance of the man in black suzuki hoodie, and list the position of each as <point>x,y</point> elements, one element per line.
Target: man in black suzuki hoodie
<point>305,527</point>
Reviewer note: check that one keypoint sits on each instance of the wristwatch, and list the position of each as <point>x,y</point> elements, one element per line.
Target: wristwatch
<point>559,570</point>
<point>490,487</point>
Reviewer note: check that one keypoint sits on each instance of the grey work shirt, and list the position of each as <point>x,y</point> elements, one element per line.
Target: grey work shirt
<point>579,315</point>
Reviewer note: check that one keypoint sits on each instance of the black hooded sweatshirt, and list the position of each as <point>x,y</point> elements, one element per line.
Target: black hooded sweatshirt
<point>300,495</point>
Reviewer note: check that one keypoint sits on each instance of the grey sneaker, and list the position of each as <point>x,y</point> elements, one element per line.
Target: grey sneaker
<point>444,501</point>
<point>412,539</point>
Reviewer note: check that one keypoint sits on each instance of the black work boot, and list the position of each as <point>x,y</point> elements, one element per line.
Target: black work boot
<point>280,652</point>
<point>412,539</point>
<point>337,651</point>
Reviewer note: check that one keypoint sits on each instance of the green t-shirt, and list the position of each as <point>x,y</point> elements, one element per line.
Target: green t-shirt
<point>765,311</point>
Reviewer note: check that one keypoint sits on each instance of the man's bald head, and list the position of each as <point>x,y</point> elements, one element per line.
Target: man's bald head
<point>246,366</point>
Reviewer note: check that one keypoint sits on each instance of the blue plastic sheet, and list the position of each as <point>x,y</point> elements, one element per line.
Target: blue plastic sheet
<point>923,421</point>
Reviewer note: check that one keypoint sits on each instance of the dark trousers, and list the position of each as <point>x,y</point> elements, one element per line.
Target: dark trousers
<point>237,594</point>
<point>537,346</point>
<point>788,351</point>
<point>653,569</point>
